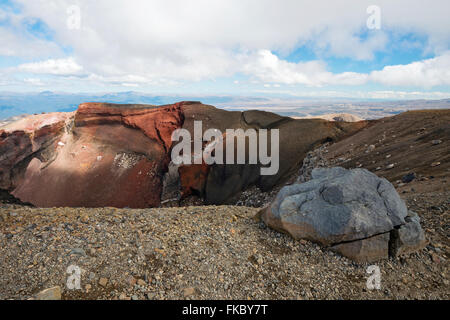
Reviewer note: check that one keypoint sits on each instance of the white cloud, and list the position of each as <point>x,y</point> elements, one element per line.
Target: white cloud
<point>13,44</point>
<point>264,66</point>
<point>341,42</point>
<point>34,81</point>
<point>154,42</point>
<point>127,84</point>
<point>298,96</point>
<point>60,67</point>
<point>426,73</point>
<point>17,41</point>
<point>267,67</point>
<point>194,40</point>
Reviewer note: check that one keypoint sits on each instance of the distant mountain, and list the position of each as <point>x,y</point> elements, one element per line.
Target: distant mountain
<point>13,104</point>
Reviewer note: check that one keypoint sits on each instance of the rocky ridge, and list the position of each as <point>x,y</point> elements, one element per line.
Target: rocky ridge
<point>120,155</point>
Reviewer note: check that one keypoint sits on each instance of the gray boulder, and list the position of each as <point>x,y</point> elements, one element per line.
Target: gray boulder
<point>409,237</point>
<point>351,211</point>
<point>365,250</point>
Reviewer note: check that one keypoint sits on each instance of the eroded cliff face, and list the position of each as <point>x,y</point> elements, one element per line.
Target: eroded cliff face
<point>222,183</point>
<point>32,137</point>
<point>102,155</point>
<point>119,155</point>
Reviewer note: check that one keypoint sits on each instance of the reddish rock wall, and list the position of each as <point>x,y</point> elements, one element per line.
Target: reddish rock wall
<point>114,155</point>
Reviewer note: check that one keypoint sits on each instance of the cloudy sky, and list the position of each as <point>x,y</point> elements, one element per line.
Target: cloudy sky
<point>348,48</point>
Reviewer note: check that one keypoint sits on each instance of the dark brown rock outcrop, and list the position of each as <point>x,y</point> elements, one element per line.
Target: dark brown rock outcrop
<point>297,137</point>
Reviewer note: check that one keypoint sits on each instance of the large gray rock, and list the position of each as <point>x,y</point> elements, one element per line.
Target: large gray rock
<point>365,250</point>
<point>409,237</point>
<point>352,211</point>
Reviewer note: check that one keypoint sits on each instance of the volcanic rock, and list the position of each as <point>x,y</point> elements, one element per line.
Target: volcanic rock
<point>365,250</point>
<point>224,182</point>
<point>33,136</point>
<point>351,211</point>
<point>409,237</point>
<point>119,155</point>
<point>436,142</point>
<point>408,177</point>
<point>132,143</point>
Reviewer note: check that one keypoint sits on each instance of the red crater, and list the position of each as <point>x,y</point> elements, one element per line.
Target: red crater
<point>112,155</point>
<point>103,155</point>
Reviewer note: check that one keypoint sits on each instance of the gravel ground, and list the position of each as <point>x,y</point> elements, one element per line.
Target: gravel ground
<point>195,253</point>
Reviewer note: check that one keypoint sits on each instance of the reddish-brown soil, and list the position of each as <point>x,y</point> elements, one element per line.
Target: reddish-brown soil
<point>405,140</point>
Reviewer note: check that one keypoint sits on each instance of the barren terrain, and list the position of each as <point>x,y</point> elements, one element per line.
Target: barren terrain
<point>221,252</point>
<point>194,252</point>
